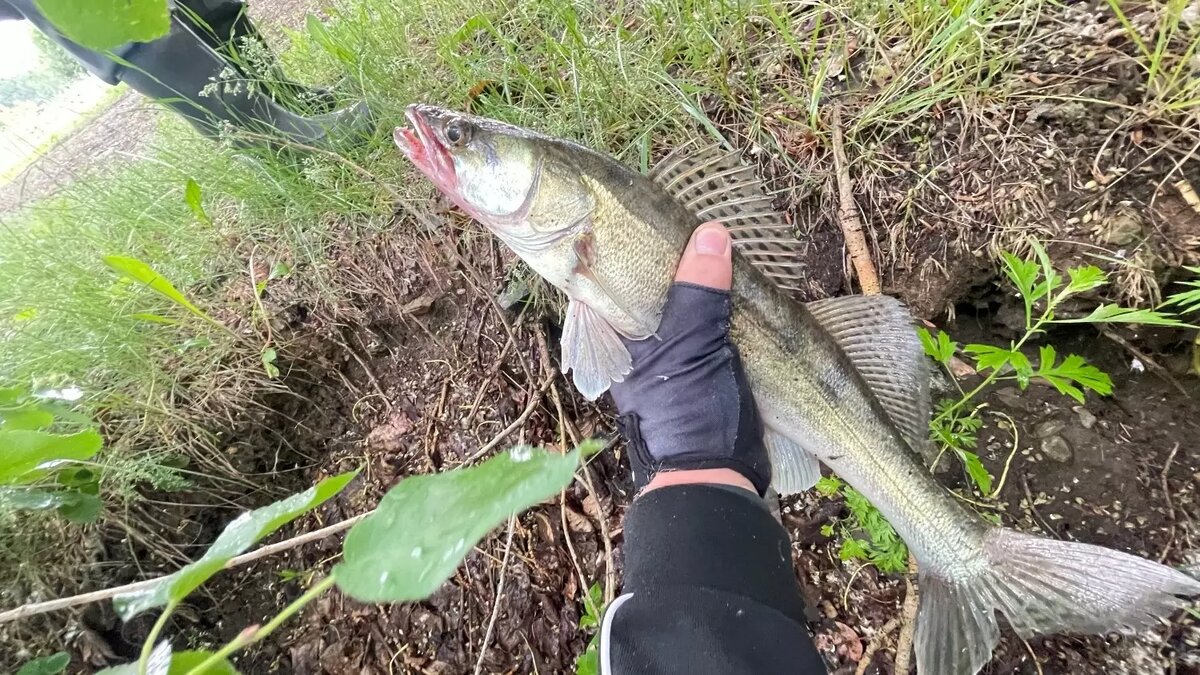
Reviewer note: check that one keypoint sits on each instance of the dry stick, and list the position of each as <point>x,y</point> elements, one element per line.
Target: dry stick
<point>868,280</point>
<point>875,645</point>
<point>487,635</point>
<point>109,593</point>
<point>908,619</point>
<point>852,228</point>
<point>1170,505</point>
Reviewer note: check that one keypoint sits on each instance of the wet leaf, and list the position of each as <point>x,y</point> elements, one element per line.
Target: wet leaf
<point>23,450</point>
<point>426,525</point>
<point>105,24</point>
<point>238,536</point>
<point>47,665</point>
<point>80,507</point>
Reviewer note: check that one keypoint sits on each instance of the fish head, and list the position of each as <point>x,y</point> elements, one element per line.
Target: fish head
<point>489,168</point>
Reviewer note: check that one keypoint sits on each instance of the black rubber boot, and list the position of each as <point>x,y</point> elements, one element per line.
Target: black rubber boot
<point>226,27</point>
<point>186,73</point>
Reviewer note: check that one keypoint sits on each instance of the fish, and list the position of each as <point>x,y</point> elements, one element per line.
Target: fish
<point>841,381</point>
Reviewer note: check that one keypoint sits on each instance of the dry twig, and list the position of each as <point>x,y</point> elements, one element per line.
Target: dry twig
<point>487,635</point>
<point>908,618</point>
<point>875,645</point>
<point>852,228</point>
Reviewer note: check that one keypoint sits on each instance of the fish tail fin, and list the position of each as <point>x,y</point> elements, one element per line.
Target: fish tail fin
<point>1041,585</point>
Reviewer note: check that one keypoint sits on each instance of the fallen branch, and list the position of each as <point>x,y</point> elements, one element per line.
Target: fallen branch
<point>852,229</point>
<point>487,634</point>
<point>908,618</point>
<point>109,593</point>
<point>875,645</point>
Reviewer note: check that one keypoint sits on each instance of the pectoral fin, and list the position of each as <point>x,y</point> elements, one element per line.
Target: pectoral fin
<point>593,351</point>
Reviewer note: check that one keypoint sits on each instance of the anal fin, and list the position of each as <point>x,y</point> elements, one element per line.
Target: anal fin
<point>593,351</point>
<point>793,469</point>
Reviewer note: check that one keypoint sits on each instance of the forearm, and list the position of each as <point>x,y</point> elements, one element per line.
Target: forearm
<point>709,588</point>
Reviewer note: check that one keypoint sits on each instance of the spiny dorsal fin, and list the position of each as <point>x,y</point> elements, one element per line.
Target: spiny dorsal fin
<point>876,333</point>
<point>717,185</point>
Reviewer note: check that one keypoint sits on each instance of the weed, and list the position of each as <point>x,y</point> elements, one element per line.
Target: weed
<point>865,534</point>
<point>588,663</point>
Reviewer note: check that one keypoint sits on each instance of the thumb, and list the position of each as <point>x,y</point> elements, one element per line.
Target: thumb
<point>707,260</point>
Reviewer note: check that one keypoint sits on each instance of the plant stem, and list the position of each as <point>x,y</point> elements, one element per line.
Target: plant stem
<point>155,631</point>
<point>249,637</point>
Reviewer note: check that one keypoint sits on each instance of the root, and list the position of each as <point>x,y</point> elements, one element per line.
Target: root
<point>852,229</point>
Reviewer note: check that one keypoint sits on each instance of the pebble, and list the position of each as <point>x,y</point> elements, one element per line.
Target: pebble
<point>1086,419</point>
<point>1049,428</point>
<point>1056,448</point>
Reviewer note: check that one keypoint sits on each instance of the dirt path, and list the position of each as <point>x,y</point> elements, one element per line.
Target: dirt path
<point>120,133</point>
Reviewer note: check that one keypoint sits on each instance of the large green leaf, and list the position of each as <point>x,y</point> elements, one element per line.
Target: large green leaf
<point>23,450</point>
<point>104,24</point>
<point>238,536</point>
<point>425,526</point>
<point>47,665</point>
<point>182,663</point>
<point>139,271</point>
<point>27,416</point>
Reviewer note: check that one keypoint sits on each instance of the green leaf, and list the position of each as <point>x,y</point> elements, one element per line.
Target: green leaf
<point>27,314</point>
<point>1074,370</point>
<point>827,530</point>
<point>195,201</point>
<point>941,348</point>
<point>46,665</point>
<point>238,536</point>
<point>80,507</point>
<point>988,357</point>
<point>1186,301</point>
<point>978,473</point>
<point>1022,273</point>
<point>1085,278</point>
<point>183,663</point>
<point>23,450</point>
<point>829,486</point>
<point>105,24</point>
<point>139,271</point>
<point>588,662</point>
<point>31,417</point>
<point>426,525</point>
<point>268,361</point>
<point>280,270</point>
<point>1112,313</point>
<point>321,35</point>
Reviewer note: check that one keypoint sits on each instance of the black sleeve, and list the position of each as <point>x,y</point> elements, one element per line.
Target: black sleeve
<point>709,588</point>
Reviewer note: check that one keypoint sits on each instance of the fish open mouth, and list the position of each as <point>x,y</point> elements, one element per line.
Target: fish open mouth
<point>420,143</point>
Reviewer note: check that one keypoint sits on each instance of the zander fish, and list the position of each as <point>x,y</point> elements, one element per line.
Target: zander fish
<point>842,380</point>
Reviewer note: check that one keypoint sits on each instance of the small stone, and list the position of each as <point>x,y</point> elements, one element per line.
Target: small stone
<point>1057,448</point>
<point>1049,428</point>
<point>828,609</point>
<point>1086,419</point>
<point>1009,396</point>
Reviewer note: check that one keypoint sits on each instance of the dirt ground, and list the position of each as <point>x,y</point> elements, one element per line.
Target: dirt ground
<point>417,371</point>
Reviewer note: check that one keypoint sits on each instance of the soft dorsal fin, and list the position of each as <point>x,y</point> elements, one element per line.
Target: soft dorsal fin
<point>717,185</point>
<point>876,333</point>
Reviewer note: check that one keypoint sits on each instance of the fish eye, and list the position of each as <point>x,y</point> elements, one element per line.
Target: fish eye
<point>458,132</point>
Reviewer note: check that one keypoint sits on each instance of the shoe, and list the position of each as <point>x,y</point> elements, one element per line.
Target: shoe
<point>226,27</point>
<point>184,72</point>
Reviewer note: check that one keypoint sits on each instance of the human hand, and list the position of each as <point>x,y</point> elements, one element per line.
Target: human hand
<point>686,408</point>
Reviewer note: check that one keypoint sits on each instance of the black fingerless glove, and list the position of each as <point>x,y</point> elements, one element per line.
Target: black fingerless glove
<point>686,404</point>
